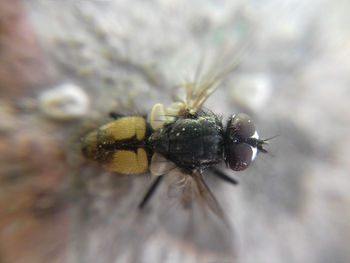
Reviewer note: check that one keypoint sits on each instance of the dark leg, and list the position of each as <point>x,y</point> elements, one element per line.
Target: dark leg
<point>115,115</point>
<point>150,191</point>
<point>223,176</point>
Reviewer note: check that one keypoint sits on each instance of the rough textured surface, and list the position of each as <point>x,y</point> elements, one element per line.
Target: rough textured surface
<point>292,205</point>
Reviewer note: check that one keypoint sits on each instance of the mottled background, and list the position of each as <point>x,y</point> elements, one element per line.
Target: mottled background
<point>65,64</point>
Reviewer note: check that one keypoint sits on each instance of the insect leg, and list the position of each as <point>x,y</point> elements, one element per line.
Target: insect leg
<point>115,115</point>
<point>223,176</point>
<point>150,191</point>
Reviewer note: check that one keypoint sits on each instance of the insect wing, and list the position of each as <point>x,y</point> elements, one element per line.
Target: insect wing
<point>205,82</point>
<point>191,221</point>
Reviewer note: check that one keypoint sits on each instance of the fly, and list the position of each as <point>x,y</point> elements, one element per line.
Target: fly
<point>182,139</point>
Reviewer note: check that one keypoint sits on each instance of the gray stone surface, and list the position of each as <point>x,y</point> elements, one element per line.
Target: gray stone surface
<point>292,205</point>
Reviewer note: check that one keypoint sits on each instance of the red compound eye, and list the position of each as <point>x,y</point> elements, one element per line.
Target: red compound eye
<point>239,156</point>
<point>241,125</point>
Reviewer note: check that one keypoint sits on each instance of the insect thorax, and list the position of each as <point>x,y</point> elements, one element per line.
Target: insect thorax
<point>190,142</point>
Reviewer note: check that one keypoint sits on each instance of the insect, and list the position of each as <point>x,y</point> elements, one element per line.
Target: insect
<point>177,144</point>
<point>181,139</point>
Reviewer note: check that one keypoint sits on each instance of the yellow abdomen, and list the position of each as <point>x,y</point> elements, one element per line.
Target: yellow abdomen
<point>119,146</point>
<point>126,128</point>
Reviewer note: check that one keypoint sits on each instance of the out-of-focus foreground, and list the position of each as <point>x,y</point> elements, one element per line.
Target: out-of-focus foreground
<point>64,65</point>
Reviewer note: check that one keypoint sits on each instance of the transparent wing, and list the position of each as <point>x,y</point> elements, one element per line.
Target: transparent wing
<point>192,220</point>
<point>204,83</point>
<point>198,91</point>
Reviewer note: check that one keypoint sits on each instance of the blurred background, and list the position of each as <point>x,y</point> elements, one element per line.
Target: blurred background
<point>64,65</point>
